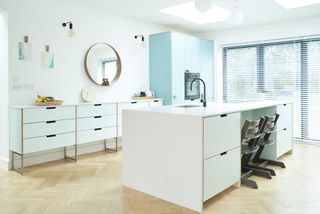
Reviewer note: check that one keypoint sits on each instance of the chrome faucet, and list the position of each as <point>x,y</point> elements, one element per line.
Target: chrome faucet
<point>204,87</point>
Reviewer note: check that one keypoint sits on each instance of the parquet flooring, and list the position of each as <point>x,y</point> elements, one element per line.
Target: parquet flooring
<point>93,185</point>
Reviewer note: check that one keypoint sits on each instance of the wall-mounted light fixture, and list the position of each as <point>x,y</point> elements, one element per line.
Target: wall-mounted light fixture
<point>71,32</point>
<point>143,44</point>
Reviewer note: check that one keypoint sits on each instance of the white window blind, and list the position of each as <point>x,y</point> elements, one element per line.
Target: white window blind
<point>287,70</point>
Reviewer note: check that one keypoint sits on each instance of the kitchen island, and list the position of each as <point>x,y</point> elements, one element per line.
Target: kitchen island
<point>188,154</point>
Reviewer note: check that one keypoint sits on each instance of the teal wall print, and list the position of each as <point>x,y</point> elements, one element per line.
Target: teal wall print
<point>25,51</point>
<point>48,60</point>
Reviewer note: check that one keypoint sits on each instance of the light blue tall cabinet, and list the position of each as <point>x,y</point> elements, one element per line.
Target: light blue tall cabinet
<point>170,55</point>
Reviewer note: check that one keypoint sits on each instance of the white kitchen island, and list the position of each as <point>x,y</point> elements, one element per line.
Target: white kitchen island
<point>188,155</point>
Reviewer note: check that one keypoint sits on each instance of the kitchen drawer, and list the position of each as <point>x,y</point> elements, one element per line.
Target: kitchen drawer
<point>96,122</point>
<point>155,103</point>
<point>132,105</point>
<point>284,141</point>
<point>48,142</point>
<point>48,128</point>
<point>221,133</point>
<point>96,110</point>
<point>285,119</point>
<point>220,172</point>
<point>42,114</point>
<point>96,134</point>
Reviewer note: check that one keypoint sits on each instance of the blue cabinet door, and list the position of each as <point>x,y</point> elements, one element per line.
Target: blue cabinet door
<point>160,66</point>
<point>178,67</point>
<point>207,66</point>
<point>192,53</point>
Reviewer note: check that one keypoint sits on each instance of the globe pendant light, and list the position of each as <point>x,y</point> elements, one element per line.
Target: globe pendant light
<point>203,5</point>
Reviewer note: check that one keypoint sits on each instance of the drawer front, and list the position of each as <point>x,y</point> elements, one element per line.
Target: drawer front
<point>48,128</point>
<point>96,110</point>
<point>95,135</point>
<point>96,122</point>
<point>285,119</point>
<point>221,133</point>
<point>220,172</point>
<point>284,141</point>
<point>48,142</point>
<point>132,105</point>
<point>43,114</point>
<point>155,103</point>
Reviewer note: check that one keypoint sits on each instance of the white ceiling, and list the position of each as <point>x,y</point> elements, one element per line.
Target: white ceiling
<point>255,12</point>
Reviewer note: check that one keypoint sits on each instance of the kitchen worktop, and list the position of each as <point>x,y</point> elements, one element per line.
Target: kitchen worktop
<point>213,108</point>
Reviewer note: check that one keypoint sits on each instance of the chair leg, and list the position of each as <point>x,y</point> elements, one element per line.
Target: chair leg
<point>272,172</point>
<point>270,162</point>
<point>250,183</point>
<point>259,172</point>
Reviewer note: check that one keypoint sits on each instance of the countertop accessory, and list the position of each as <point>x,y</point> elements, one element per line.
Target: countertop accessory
<point>50,103</point>
<point>88,95</point>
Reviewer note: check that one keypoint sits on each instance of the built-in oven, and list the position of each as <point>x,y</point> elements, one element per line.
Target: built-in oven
<point>195,92</point>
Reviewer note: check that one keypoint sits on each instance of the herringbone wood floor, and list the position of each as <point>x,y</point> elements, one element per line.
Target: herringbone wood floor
<point>93,185</point>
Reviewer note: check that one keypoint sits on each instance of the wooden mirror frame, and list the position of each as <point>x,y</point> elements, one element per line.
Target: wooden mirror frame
<point>116,77</point>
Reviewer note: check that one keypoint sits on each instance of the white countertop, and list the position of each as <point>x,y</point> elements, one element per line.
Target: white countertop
<point>213,109</point>
<point>65,104</point>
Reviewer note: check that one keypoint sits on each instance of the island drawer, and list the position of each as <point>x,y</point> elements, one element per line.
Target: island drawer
<point>42,114</point>
<point>285,118</point>
<point>96,134</point>
<point>221,133</point>
<point>48,142</point>
<point>220,172</point>
<point>96,122</point>
<point>96,110</point>
<point>47,128</point>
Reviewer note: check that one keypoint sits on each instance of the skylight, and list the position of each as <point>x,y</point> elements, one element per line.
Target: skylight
<point>188,12</point>
<point>290,4</point>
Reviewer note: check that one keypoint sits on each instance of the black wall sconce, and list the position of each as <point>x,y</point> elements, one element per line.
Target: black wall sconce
<point>71,32</point>
<point>143,44</point>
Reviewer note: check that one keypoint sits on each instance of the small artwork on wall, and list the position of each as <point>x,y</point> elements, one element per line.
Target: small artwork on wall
<point>48,60</point>
<point>25,50</point>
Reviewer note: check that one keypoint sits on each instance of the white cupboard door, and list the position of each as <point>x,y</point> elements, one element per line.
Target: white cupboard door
<point>221,133</point>
<point>285,118</point>
<point>284,141</point>
<point>220,172</point>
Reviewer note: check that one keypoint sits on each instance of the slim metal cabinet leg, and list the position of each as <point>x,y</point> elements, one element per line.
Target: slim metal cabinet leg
<point>108,149</point>
<point>22,164</point>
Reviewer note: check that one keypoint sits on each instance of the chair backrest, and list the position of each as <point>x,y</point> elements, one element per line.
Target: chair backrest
<point>252,128</point>
<point>272,121</point>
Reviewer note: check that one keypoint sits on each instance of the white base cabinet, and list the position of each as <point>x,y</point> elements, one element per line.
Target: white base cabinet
<point>36,129</point>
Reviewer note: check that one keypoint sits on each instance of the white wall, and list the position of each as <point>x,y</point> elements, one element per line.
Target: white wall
<point>4,102</point>
<point>42,21</point>
<point>280,30</point>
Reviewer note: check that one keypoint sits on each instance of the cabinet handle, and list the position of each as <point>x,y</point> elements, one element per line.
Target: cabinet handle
<point>53,135</point>
<point>155,101</point>
<point>133,102</point>
<point>98,129</point>
<point>284,129</point>
<point>96,117</point>
<point>284,104</point>
<point>51,108</point>
<point>223,153</point>
<point>223,115</point>
<point>97,104</point>
<point>52,121</point>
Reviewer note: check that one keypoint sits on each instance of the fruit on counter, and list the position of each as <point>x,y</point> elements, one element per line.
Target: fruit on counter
<point>42,99</point>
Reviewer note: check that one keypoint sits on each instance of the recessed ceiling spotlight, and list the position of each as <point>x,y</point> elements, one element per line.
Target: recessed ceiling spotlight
<point>290,4</point>
<point>188,11</point>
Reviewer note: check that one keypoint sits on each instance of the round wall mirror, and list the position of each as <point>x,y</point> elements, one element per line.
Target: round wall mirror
<point>102,64</point>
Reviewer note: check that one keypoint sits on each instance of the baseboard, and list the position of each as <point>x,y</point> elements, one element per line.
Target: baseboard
<point>58,154</point>
<point>4,164</point>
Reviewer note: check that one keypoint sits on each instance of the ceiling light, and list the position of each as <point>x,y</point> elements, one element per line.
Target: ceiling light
<point>290,4</point>
<point>203,5</point>
<point>188,12</point>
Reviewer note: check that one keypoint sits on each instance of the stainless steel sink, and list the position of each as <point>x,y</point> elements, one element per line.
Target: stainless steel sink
<point>189,106</point>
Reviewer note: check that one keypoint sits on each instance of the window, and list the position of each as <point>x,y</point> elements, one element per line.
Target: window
<point>287,70</point>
